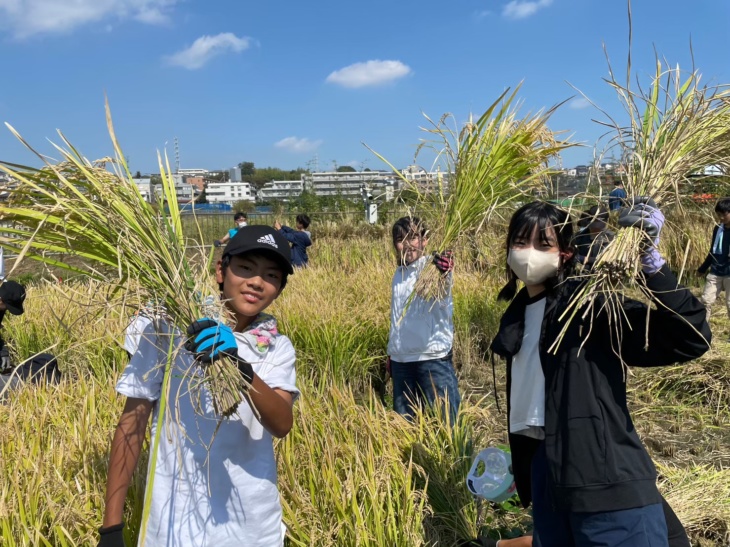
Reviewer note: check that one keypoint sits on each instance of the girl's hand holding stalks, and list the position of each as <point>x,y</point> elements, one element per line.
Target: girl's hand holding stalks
<point>643,213</point>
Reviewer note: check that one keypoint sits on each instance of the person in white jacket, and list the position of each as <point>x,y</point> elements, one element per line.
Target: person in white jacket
<point>421,331</point>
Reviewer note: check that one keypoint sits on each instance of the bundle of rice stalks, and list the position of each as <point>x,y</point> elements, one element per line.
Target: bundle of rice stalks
<point>77,209</point>
<point>488,164</point>
<point>677,128</point>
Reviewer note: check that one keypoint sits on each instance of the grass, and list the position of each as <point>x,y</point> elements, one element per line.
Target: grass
<point>351,471</point>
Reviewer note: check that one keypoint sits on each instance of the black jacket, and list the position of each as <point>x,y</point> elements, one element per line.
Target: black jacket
<point>718,264</point>
<point>595,458</point>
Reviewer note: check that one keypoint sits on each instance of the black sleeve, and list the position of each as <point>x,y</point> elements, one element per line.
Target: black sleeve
<point>677,327</point>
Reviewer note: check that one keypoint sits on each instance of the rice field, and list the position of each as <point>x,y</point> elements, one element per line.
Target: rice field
<point>351,472</point>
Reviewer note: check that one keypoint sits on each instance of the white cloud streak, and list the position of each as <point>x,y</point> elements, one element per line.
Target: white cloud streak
<point>520,9</point>
<point>26,18</point>
<point>369,73</point>
<point>580,103</point>
<point>297,145</point>
<point>206,48</point>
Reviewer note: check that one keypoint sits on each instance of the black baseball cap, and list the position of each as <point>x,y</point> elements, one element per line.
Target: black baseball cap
<point>13,295</point>
<point>263,239</point>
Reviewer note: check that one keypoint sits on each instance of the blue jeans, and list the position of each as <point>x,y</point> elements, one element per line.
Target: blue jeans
<point>422,382</point>
<point>637,527</point>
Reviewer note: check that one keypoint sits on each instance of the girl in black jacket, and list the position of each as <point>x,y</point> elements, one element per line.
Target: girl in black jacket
<point>575,452</point>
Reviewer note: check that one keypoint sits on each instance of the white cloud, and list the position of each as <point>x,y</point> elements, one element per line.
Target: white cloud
<point>26,18</point>
<point>207,47</point>
<point>369,73</point>
<point>580,103</point>
<point>519,9</point>
<point>295,144</point>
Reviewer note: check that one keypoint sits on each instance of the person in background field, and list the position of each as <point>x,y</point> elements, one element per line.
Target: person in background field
<point>241,220</point>
<point>617,197</point>
<point>421,331</point>
<point>215,481</point>
<point>718,260</point>
<point>39,368</point>
<point>592,237</point>
<point>300,239</point>
<point>576,454</point>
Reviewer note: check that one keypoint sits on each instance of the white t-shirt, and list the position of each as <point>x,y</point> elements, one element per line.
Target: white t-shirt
<point>527,392</point>
<point>419,329</point>
<point>210,488</point>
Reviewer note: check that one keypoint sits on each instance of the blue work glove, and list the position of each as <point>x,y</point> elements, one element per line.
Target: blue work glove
<point>643,213</point>
<point>444,261</point>
<point>111,536</point>
<point>210,340</point>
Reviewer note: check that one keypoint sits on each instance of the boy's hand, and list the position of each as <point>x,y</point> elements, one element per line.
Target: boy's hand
<point>217,243</point>
<point>277,225</point>
<point>111,536</point>
<point>210,340</point>
<point>643,213</point>
<point>444,261</point>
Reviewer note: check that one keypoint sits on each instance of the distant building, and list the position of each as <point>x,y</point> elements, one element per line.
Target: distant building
<point>571,172</point>
<point>144,185</point>
<point>282,190</point>
<point>347,184</point>
<point>426,181</point>
<point>229,192</point>
<point>197,181</point>
<point>184,192</point>
<point>581,170</point>
<point>234,174</point>
<point>193,172</point>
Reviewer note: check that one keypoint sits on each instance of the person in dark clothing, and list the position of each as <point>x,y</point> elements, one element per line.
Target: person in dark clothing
<point>576,455</point>
<point>617,197</point>
<point>718,260</point>
<point>300,239</point>
<point>39,368</point>
<point>592,236</point>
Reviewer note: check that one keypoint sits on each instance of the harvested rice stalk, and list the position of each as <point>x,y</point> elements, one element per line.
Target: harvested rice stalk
<point>677,129</point>
<point>79,216</point>
<point>487,165</point>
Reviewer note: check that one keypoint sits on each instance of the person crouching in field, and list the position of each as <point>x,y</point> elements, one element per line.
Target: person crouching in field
<point>576,454</point>
<point>718,260</point>
<point>421,331</point>
<point>211,487</point>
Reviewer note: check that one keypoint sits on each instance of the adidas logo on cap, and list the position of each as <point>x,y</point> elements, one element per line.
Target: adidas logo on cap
<point>269,240</point>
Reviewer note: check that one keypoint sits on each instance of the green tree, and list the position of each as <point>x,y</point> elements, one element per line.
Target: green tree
<point>247,168</point>
<point>346,169</point>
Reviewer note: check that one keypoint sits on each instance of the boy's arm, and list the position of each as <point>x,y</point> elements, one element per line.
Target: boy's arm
<point>125,450</point>
<point>274,407</point>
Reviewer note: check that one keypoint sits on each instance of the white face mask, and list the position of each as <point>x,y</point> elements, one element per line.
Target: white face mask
<point>533,267</point>
<point>241,223</point>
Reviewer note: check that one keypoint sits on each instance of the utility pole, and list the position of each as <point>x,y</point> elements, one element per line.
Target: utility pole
<point>177,156</point>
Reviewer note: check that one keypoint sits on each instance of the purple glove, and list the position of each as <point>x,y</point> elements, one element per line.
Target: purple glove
<point>643,213</point>
<point>444,261</point>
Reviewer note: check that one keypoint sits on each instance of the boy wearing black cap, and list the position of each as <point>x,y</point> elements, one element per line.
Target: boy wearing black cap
<point>215,481</point>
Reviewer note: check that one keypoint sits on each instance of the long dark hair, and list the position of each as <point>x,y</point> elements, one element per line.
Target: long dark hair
<point>521,225</point>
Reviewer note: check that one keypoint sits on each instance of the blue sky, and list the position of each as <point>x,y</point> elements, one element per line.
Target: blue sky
<point>280,81</point>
